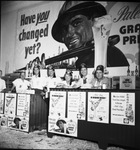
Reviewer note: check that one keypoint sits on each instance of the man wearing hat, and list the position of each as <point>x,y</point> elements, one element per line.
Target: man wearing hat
<point>73,27</point>
<point>100,81</point>
<point>61,124</point>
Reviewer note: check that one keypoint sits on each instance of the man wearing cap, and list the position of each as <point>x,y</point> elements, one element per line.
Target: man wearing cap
<point>62,126</point>
<point>100,81</point>
<point>73,27</point>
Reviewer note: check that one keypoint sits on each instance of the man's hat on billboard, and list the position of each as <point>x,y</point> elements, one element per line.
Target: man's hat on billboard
<point>70,8</point>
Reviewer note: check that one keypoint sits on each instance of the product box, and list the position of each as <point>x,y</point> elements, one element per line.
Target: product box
<point>125,82</point>
<point>129,82</point>
<point>116,82</point>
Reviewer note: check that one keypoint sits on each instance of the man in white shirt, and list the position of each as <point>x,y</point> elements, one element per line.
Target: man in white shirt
<point>85,78</point>
<point>2,82</point>
<point>100,81</point>
<point>21,84</point>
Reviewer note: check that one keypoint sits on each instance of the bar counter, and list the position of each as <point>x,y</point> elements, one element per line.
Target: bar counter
<point>110,132</point>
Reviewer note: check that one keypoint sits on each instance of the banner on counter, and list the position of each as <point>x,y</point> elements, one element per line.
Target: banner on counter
<point>57,105</point>
<point>23,105</point>
<point>123,108</point>
<point>98,107</point>
<point>10,104</point>
<point>18,123</point>
<point>68,126</point>
<point>76,107</point>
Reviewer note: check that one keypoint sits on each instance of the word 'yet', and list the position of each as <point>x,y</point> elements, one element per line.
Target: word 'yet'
<point>32,49</point>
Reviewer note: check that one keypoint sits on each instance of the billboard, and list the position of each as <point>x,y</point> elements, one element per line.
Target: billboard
<point>34,37</point>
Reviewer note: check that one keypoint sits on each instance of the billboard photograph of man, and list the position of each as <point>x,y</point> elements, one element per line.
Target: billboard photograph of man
<point>74,27</point>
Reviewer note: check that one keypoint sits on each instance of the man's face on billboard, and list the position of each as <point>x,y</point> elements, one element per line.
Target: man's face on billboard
<point>77,30</point>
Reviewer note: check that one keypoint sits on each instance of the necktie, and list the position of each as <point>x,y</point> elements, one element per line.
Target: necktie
<point>85,80</point>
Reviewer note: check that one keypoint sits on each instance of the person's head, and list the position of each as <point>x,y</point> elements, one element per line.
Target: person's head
<point>22,75</point>
<point>36,61</point>
<point>0,73</point>
<point>60,124</point>
<point>99,72</point>
<point>68,76</point>
<point>51,71</point>
<point>73,26</point>
<point>83,70</point>
<point>36,71</point>
<point>16,121</point>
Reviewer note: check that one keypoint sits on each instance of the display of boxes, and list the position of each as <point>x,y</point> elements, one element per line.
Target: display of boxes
<point>129,82</point>
<point>115,82</point>
<point>126,82</point>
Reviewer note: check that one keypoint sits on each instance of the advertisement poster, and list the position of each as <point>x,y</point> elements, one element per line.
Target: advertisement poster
<point>57,103</point>
<point>123,108</point>
<point>98,107</point>
<point>10,104</point>
<point>1,103</point>
<point>34,37</point>
<point>126,24</point>
<point>23,105</point>
<point>64,126</point>
<point>33,34</point>
<point>76,107</point>
<point>19,123</point>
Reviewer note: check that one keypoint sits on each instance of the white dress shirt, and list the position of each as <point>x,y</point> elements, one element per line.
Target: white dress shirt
<point>52,82</point>
<point>21,85</point>
<point>38,82</point>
